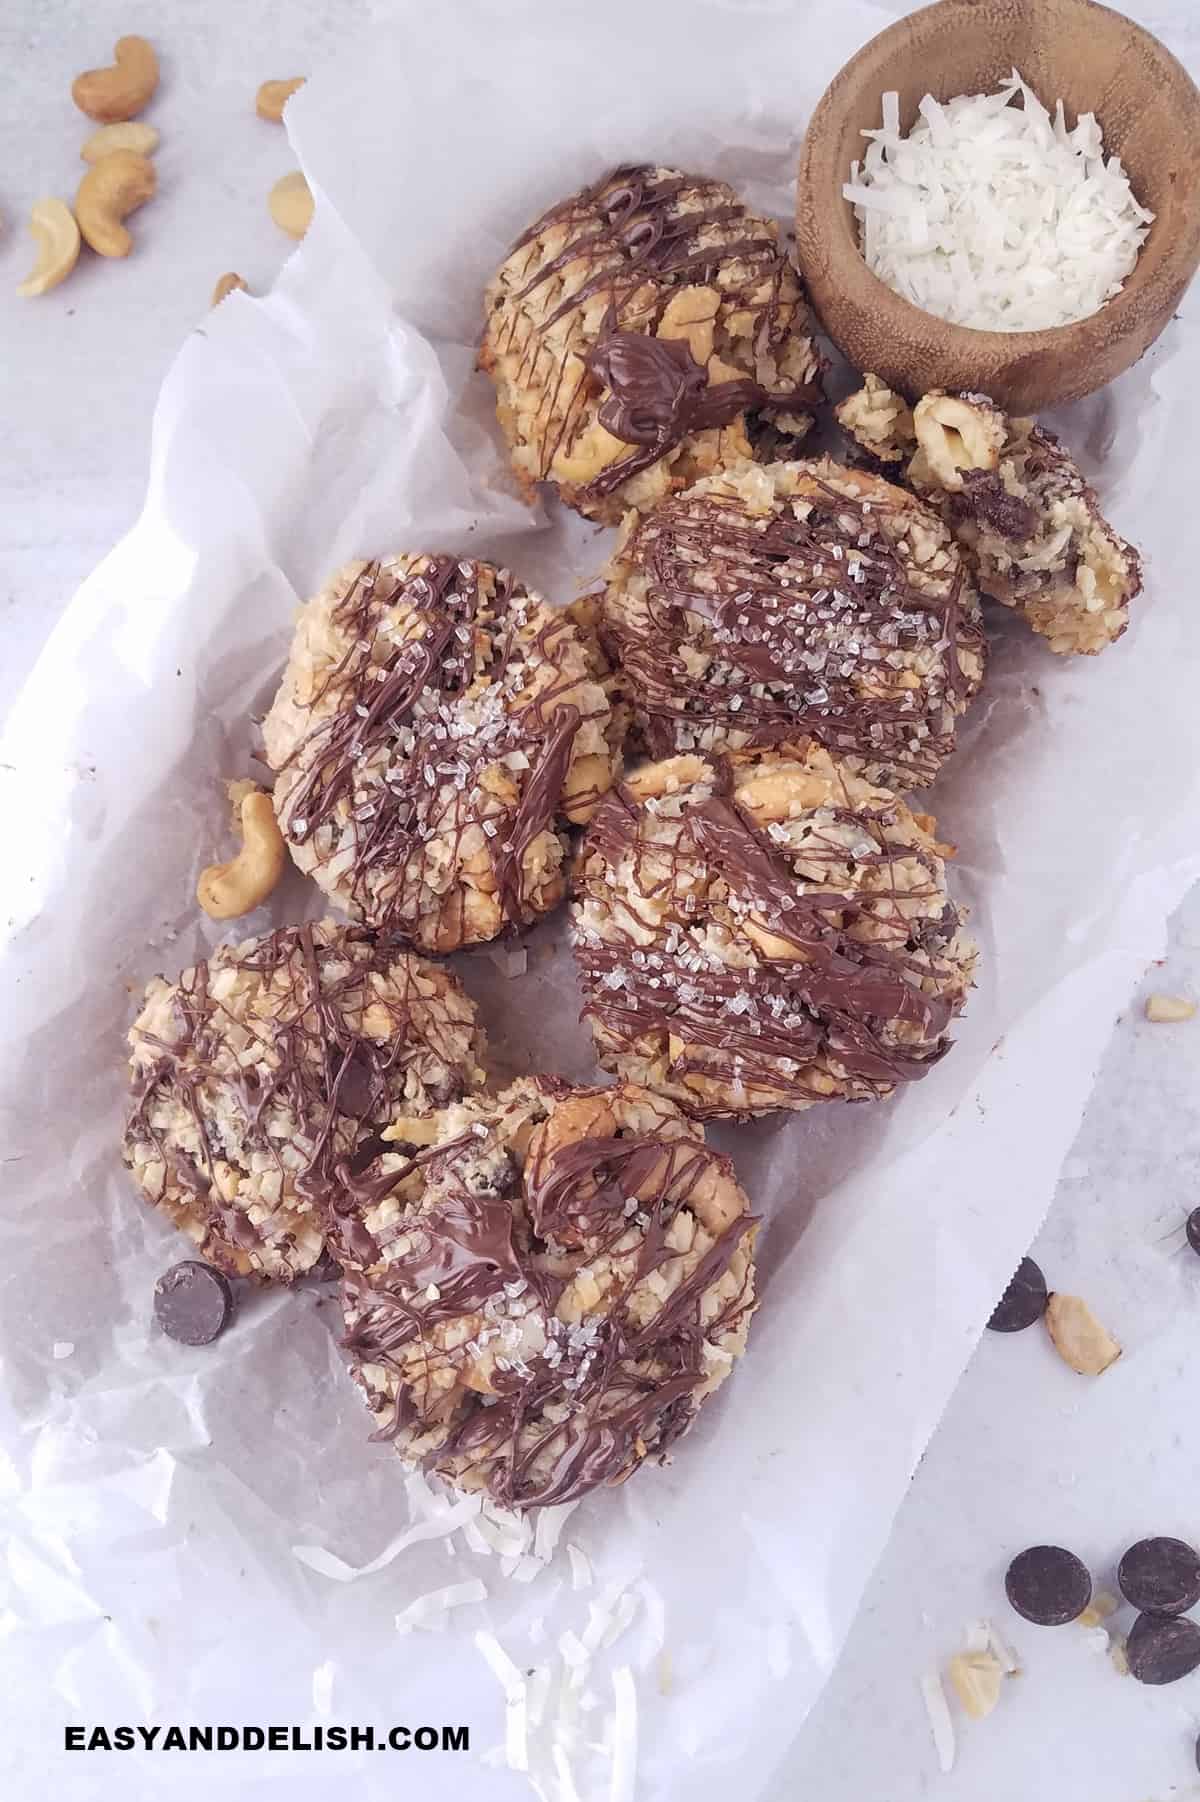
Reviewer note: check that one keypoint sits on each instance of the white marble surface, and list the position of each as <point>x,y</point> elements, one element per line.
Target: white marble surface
<point>1094,1464</point>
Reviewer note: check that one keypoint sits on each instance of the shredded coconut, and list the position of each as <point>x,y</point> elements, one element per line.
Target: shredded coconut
<point>326,1564</point>
<point>427,1610</point>
<point>624,1753</point>
<point>322,1689</point>
<point>940,1724</point>
<point>991,214</point>
<point>581,1568</point>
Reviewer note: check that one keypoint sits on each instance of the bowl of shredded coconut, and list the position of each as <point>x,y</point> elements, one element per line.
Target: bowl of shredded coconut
<point>1002,199</point>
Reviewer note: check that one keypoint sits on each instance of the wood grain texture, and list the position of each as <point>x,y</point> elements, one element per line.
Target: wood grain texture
<point>1097,61</point>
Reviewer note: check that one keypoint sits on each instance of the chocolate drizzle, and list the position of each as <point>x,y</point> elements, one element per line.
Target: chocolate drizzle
<point>826,994</point>
<point>396,779</point>
<point>600,1394</point>
<point>658,394</point>
<point>806,625</point>
<point>985,498</point>
<point>635,238</point>
<point>321,1085</point>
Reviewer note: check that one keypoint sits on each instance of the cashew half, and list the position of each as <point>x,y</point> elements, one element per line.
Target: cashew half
<point>956,435</point>
<point>112,188</point>
<point>273,96</point>
<point>291,204</point>
<point>141,139</point>
<point>53,225</point>
<point>226,890</point>
<point>227,284</point>
<point>123,90</point>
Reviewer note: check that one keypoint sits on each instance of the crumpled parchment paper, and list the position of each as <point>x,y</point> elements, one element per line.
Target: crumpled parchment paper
<point>153,1496</point>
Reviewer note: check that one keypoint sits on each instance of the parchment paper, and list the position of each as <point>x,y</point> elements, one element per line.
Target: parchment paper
<point>152,1496</point>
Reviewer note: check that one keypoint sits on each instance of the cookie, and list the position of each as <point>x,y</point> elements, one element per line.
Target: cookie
<point>639,333</point>
<point>793,600</point>
<point>766,930</point>
<point>560,1280</point>
<point>1017,502</point>
<point>437,728</point>
<point>264,1075</point>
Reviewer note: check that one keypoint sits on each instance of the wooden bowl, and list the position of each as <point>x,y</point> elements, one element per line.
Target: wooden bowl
<point>1097,61</point>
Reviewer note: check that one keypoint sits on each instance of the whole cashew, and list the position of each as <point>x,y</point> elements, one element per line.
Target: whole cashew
<point>226,890</point>
<point>143,139</point>
<point>53,225</point>
<point>956,435</point>
<point>291,204</point>
<point>123,90</point>
<point>273,96</point>
<point>227,284</point>
<point>112,188</point>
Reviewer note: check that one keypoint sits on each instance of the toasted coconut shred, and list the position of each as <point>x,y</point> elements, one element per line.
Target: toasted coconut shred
<point>940,1724</point>
<point>571,1723</point>
<point>571,1720</point>
<point>991,214</point>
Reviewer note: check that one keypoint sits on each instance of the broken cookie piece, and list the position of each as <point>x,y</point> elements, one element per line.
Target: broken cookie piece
<point>879,420</point>
<point>1018,505</point>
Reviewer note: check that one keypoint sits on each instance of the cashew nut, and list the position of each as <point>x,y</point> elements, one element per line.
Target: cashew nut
<point>53,225</point>
<point>273,96</point>
<point>1169,1010</point>
<point>226,890</point>
<point>1078,1337</point>
<point>956,435</point>
<point>226,284</point>
<point>291,204</point>
<point>142,139</point>
<point>123,90</point>
<point>112,188</point>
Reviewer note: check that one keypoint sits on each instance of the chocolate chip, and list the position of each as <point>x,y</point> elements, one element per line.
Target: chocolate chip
<point>1162,1651</point>
<point>1160,1576</point>
<point>1023,1302</point>
<point>192,1302</point>
<point>1048,1585</point>
<point>1193,1230</point>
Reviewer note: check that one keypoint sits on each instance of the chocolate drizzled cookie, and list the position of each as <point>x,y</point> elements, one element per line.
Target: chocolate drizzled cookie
<point>765,930</point>
<point>794,600</point>
<point>437,728</point>
<point>263,1077</point>
<point>558,1282</point>
<point>638,331</point>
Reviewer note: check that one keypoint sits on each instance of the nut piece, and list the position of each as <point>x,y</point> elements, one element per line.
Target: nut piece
<point>273,96</point>
<point>879,421</point>
<point>122,91</point>
<point>291,204</point>
<point>226,284</point>
<point>112,188</point>
<point>976,1678</point>
<point>1078,1337</point>
<point>142,139</point>
<point>226,890</point>
<point>1168,1009</point>
<point>53,225</point>
<point>957,434</point>
<point>1098,1610</point>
